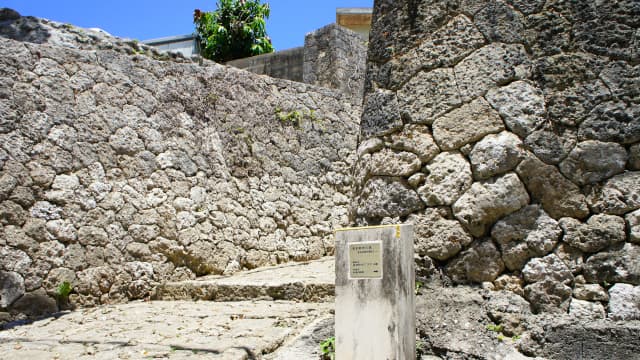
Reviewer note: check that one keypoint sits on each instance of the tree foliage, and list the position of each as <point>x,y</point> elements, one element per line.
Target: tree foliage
<point>236,29</point>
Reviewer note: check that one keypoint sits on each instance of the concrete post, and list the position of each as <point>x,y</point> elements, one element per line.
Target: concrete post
<point>375,293</point>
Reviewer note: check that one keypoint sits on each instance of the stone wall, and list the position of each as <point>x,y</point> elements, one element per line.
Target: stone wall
<point>119,171</point>
<point>335,57</point>
<point>508,132</point>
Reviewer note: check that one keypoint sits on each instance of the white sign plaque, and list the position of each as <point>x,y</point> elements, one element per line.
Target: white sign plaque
<point>365,260</point>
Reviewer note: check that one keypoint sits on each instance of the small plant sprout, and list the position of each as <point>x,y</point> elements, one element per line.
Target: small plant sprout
<point>328,348</point>
<point>63,290</point>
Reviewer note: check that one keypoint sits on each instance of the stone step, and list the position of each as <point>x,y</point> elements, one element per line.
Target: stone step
<point>312,281</point>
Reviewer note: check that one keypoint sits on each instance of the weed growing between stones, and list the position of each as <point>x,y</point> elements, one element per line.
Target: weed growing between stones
<point>328,348</point>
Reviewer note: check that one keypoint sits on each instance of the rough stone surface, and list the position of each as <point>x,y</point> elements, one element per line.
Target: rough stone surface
<point>521,105</point>
<point>559,196</point>
<point>593,161</point>
<point>335,57</point>
<point>598,233</point>
<point>619,264</point>
<point>448,177</point>
<point>387,197</point>
<point>160,329</point>
<point>438,237</point>
<point>618,195</point>
<point>394,163</point>
<point>11,288</point>
<point>624,302</point>
<point>488,201</point>
<point>634,157</point>
<point>116,155</point>
<point>496,154</point>
<point>491,65</point>
<point>480,263</point>
<point>416,139</point>
<point>633,226</point>
<point>382,115</point>
<point>527,233</point>
<point>585,310</point>
<point>423,102</point>
<point>467,124</point>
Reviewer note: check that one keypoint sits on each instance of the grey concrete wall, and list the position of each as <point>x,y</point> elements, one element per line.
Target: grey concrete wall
<point>285,64</point>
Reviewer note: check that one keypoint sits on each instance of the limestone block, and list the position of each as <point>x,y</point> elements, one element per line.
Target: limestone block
<point>527,7</point>
<point>548,296</point>
<point>480,263</point>
<point>527,233</point>
<point>550,144</point>
<point>11,288</point>
<point>612,121</point>
<point>593,161</point>
<point>387,197</point>
<point>618,195</point>
<point>438,237</point>
<point>7,184</point>
<point>126,141</point>
<point>624,303</point>
<point>549,267</point>
<point>572,257</point>
<point>92,235</point>
<point>177,160</point>
<point>570,106</point>
<point>488,201</point>
<point>511,283</point>
<point>520,104</point>
<point>500,23</point>
<point>489,66</point>
<point>618,264</point>
<point>496,154</point>
<point>465,125</point>
<point>46,210</point>
<point>388,162</point>
<point>429,95</point>
<point>633,226</point>
<point>448,177</point>
<point>416,139</point>
<point>444,48</point>
<point>36,303</point>
<point>634,157</point>
<point>15,260</point>
<point>62,230</point>
<point>589,292</point>
<point>370,146</point>
<point>12,214</point>
<point>586,310</point>
<point>598,233</point>
<point>564,70</point>
<point>381,114</point>
<point>559,197</point>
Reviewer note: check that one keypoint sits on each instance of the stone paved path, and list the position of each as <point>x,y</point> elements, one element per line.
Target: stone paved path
<point>180,329</point>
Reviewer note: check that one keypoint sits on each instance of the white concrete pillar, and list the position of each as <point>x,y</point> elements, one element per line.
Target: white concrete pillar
<point>375,293</point>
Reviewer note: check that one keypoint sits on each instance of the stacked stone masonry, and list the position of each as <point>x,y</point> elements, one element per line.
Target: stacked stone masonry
<point>508,132</point>
<point>120,170</point>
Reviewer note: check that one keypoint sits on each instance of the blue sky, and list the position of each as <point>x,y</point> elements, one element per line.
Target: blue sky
<point>144,19</point>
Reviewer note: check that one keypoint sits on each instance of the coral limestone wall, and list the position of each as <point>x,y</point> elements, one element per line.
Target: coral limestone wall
<point>509,133</point>
<point>118,171</point>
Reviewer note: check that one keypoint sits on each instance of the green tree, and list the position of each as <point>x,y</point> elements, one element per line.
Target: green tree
<point>236,29</point>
